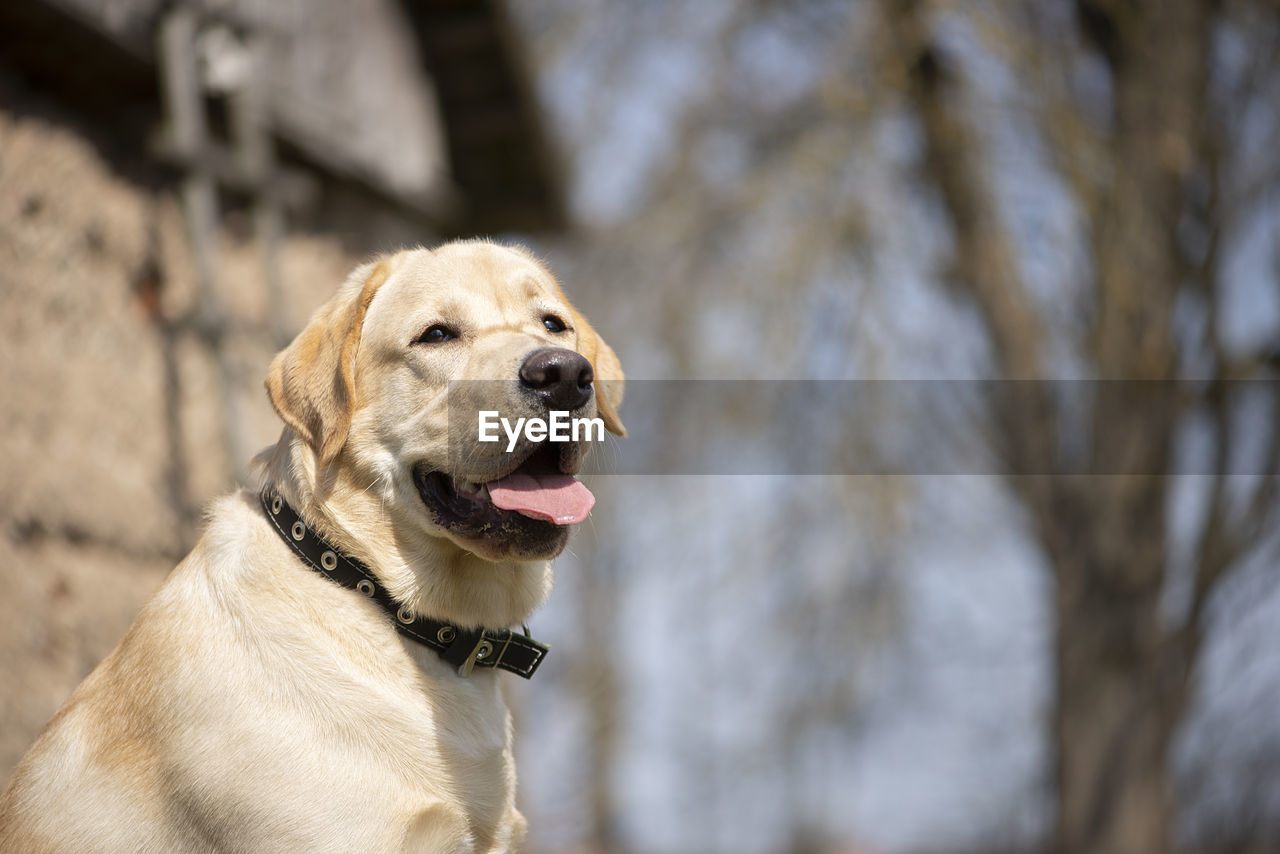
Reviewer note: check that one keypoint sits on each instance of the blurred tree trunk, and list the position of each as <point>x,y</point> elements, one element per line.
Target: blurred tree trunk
<point>1121,677</point>
<point>1121,669</point>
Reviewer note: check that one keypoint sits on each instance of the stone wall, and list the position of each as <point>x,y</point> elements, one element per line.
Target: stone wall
<point>112,426</point>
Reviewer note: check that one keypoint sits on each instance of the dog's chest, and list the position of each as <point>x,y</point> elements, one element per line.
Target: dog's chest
<point>471,731</point>
<point>433,757</point>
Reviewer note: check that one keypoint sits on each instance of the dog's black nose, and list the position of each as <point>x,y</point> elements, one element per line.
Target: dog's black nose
<point>562,378</point>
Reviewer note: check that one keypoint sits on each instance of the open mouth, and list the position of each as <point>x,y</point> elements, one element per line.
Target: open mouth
<point>542,489</point>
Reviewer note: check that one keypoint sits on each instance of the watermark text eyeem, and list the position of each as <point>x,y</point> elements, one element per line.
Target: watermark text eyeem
<point>557,427</point>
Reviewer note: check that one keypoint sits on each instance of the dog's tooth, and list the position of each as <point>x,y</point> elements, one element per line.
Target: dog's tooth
<point>483,493</point>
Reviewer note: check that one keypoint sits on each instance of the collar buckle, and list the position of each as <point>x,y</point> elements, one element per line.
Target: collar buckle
<point>475,647</point>
<point>467,666</point>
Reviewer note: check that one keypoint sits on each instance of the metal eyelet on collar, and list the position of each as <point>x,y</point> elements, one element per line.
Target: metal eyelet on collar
<point>405,615</point>
<point>365,586</point>
<point>446,634</point>
<point>276,504</point>
<point>329,561</point>
<point>483,650</point>
<point>298,530</point>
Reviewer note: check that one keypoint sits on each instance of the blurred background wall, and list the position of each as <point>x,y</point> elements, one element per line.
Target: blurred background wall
<point>1063,637</point>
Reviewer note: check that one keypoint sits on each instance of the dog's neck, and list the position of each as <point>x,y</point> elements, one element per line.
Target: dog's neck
<point>430,574</point>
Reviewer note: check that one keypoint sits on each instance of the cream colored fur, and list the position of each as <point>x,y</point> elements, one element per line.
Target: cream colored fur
<point>255,706</point>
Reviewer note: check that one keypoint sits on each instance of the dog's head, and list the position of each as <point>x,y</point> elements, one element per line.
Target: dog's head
<point>393,380</point>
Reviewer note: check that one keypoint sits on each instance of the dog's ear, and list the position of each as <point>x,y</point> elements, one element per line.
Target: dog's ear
<point>610,381</point>
<point>311,382</point>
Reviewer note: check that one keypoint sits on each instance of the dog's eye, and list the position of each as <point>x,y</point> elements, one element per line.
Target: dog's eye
<point>553,323</point>
<point>436,334</point>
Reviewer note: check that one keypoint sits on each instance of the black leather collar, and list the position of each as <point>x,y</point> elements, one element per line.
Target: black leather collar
<point>464,648</point>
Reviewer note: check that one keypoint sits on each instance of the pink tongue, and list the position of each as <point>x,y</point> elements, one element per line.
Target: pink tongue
<point>557,498</point>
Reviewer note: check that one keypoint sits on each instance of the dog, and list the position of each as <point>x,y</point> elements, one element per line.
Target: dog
<point>321,672</point>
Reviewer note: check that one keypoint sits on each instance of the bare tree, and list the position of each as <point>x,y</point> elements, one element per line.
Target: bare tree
<point>1157,171</point>
<point>773,183</point>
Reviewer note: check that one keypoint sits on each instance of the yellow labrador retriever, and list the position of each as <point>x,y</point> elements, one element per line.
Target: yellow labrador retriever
<point>320,674</point>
